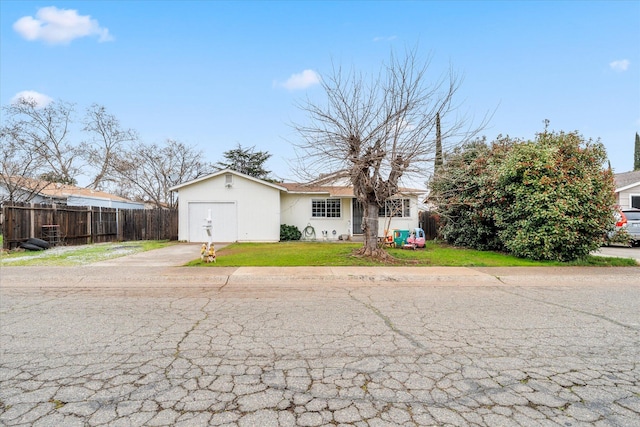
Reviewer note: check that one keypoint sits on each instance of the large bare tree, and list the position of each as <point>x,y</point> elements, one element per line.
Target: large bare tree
<point>45,143</point>
<point>19,166</point>
<point>379,129</point>
<point>46,133</point>
<point>146,171</point>
<point>105,144</point>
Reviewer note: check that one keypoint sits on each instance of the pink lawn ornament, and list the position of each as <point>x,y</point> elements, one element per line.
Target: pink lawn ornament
<point>417,238</point>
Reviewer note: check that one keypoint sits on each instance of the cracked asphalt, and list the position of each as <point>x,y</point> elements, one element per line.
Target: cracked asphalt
<point>121,344</point>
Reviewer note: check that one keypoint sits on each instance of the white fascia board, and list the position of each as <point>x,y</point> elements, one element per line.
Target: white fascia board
<point>225,171</point>
<point>626,187</point>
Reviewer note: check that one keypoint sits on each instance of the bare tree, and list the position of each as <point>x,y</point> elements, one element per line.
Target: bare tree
<point>107,139</point>
<point>46,133</point>
<point>379,129</point>
<point>147,171</point>
<point>19,167</point>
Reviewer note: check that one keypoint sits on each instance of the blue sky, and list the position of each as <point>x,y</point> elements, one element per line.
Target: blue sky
<point>214,74</point>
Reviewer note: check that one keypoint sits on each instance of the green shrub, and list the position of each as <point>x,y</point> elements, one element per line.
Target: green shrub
<point>548,199</point>
<point>462,191</point>
<point>555,198</point>
<point>619,236</point>
<point>289,232</point>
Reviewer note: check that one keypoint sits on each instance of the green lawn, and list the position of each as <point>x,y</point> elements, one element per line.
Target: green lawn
<point>293,254</point>
<point>341,254</point>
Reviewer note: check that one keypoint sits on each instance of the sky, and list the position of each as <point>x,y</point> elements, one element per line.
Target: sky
<point>215,74</point>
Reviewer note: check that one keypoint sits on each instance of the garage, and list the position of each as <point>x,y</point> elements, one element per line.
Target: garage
<point>243,208</point>
<point>224,218</point>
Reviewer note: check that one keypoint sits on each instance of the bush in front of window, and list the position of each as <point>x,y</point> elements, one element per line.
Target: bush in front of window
<point>289,232</point>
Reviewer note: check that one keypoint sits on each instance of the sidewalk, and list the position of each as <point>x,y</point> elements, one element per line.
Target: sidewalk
<point>163,268</point>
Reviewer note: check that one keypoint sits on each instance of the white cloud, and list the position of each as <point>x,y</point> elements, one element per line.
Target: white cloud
<point>302,80</point>
<point>382,39</point>
<point>40,99</point>
<point>621,65</point>
<point>59,26</point>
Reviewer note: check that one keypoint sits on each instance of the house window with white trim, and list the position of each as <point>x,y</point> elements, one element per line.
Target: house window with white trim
<point>395,208</point>
<point>634,201</point>
<point>326,208</point>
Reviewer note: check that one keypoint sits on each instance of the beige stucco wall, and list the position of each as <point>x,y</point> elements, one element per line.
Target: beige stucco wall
<point>257,206</point>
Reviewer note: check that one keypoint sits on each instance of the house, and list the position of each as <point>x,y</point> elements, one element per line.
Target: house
<point>244,208</point>
<point>628,189</point>
<point>38,191</point>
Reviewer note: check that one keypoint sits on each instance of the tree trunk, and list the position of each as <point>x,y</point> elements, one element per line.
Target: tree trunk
<point>370,233</point>
<point>370,226</point>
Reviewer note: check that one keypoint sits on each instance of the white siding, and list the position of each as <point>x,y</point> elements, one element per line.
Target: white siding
<point>296,210</point>
<point>397,223</point>
<point>624,197</point>
<point>105,203</point>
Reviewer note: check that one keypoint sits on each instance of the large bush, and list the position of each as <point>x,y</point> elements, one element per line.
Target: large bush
<point>462,191</point>
<point>544,199</point>
<point>289,232</point>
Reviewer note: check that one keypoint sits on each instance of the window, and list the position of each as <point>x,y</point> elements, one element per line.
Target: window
<point>635,201</point>
<point>396,208</point>
<point>325,208</point>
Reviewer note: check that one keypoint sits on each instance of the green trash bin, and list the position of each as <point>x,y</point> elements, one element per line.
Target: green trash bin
<point>400,237</point>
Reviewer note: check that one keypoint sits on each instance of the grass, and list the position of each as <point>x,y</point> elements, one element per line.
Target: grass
<point>65,256</point>
<point>291,254</point>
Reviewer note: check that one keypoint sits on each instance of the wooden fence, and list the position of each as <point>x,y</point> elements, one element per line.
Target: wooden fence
<point>80,225</point>
<point>429,223</point>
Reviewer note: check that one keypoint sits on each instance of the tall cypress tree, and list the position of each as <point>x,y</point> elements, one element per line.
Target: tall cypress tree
<point>636,155</point>
<point>439,160</point>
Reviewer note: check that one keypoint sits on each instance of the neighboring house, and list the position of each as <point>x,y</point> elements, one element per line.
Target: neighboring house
<point>37,191</point>
<point>628,189</point>
<point>244,208</point>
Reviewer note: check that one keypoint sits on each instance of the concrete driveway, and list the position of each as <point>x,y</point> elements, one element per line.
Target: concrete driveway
<point>619,251</point>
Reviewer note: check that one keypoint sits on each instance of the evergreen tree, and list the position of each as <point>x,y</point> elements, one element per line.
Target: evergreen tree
<point>636,155</point>
<point>246,161</point>
<point>439,159</point>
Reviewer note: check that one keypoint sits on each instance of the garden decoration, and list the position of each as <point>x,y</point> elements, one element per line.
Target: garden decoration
<point>208,251</point>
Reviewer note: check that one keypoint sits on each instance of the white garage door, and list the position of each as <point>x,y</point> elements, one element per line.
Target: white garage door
<point>224,218</point>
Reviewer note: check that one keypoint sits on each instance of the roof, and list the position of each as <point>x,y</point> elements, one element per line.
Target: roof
<point>626,180</point>
<point>331,190</point>
<point>314,187</point>
<point>335,190</point>
<point>56,190</point>
<point>226,171</point>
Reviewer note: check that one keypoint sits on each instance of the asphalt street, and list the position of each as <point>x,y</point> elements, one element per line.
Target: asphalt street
<point>123,344</point>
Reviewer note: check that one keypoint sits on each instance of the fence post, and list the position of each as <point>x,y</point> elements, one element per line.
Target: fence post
<point>89,225</point>
<point>118,225</point>
<point>32,221</point>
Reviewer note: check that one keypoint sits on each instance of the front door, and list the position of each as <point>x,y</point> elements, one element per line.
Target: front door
<point>358,213</point>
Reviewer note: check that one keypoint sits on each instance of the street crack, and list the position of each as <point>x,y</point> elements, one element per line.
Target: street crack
<point>389,323</point>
